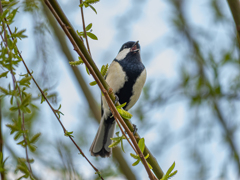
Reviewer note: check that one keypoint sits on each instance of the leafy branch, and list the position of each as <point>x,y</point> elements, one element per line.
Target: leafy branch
<point>9,48</point>
<point>25,81</point>
<point>84,28</point>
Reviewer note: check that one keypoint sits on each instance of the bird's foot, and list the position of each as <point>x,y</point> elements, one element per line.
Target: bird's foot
<point>134,130</point>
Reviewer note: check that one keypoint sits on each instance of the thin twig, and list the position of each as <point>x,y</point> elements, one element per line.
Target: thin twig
<point>84,28</point>
<point>19,91</point>
<point>119,125</point>
<point>106,95</point>
<point>228,133</point>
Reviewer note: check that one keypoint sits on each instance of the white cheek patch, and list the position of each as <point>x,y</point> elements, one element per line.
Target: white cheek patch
<point>122,54</point>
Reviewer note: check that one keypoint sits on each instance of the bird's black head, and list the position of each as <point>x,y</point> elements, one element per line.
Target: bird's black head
<point>130,44</point>
<point>128,48</point>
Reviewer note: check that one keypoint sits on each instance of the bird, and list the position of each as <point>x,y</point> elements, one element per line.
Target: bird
<point>126,76</point>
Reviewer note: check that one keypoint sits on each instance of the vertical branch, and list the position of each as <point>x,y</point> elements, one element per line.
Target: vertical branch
<point>1,138</point>
<point>234,6</point>
<point>84,28</point>
<point>14,85</point>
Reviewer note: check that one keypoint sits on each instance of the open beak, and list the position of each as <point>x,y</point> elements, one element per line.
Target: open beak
<point>135,47</point>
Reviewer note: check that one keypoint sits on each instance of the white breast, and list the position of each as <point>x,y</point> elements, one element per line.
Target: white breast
<point>116,78</point>
<point>137,89</point>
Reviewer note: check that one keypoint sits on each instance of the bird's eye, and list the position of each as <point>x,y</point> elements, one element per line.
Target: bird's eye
<point>125,46</point>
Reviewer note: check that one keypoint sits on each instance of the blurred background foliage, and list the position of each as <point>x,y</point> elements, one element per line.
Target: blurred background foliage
<point>190,116</point>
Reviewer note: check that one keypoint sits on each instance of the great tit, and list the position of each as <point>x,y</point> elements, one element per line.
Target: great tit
<point>126,76</point>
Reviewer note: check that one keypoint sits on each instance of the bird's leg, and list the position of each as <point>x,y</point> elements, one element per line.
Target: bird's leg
<point>110,90</point>
<point>134,129</point>
<point>116,99</point>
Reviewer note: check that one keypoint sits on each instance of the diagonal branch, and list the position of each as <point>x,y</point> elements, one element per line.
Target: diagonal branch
<point>117,153</point>
<point>228,133</point>
<point>105,92</point>
<point>78,44</point>
<point>234,6</point>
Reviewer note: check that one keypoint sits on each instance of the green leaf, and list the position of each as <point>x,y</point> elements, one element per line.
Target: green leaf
<point>17,135</point>
<point>59,112</point>
<point>27,110</point>
<point>87,70</point>
<point>76,63</point>
<point>134,156</point>
<point>5,13</point>
<point>4,74</point>
<point>92,36</point>
<point>91,1</point>
<point>69,133</point>
<point>42,99</point>
<point>80,33</point>
<point>14,108</point>
<point>121,105</point>
<point>149,166</point>
<point>114,144</point>
<point>136,163</point>
<point>124,114</point>
<point>25,81</point>
<point>12,15</point>
<point>93,83</point>
<point>26,100</point>
<point>21,143</point>
<point>104,70</point>
<point>5,91</point>
<point>88,27</point>
<point>11,100</point>
<point>122,145</point>
<point>35,138</point>
<point>115,138</point>
<point>23,169</point>
<point>168,173</point>
<point>20,35</point>
<point>32,148</point>
<point>172,174</point>
<point>141,144</point>
<point>13,127</point>
<point>171,168</point>
<point>147,156</point>
<point>93,8</point>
